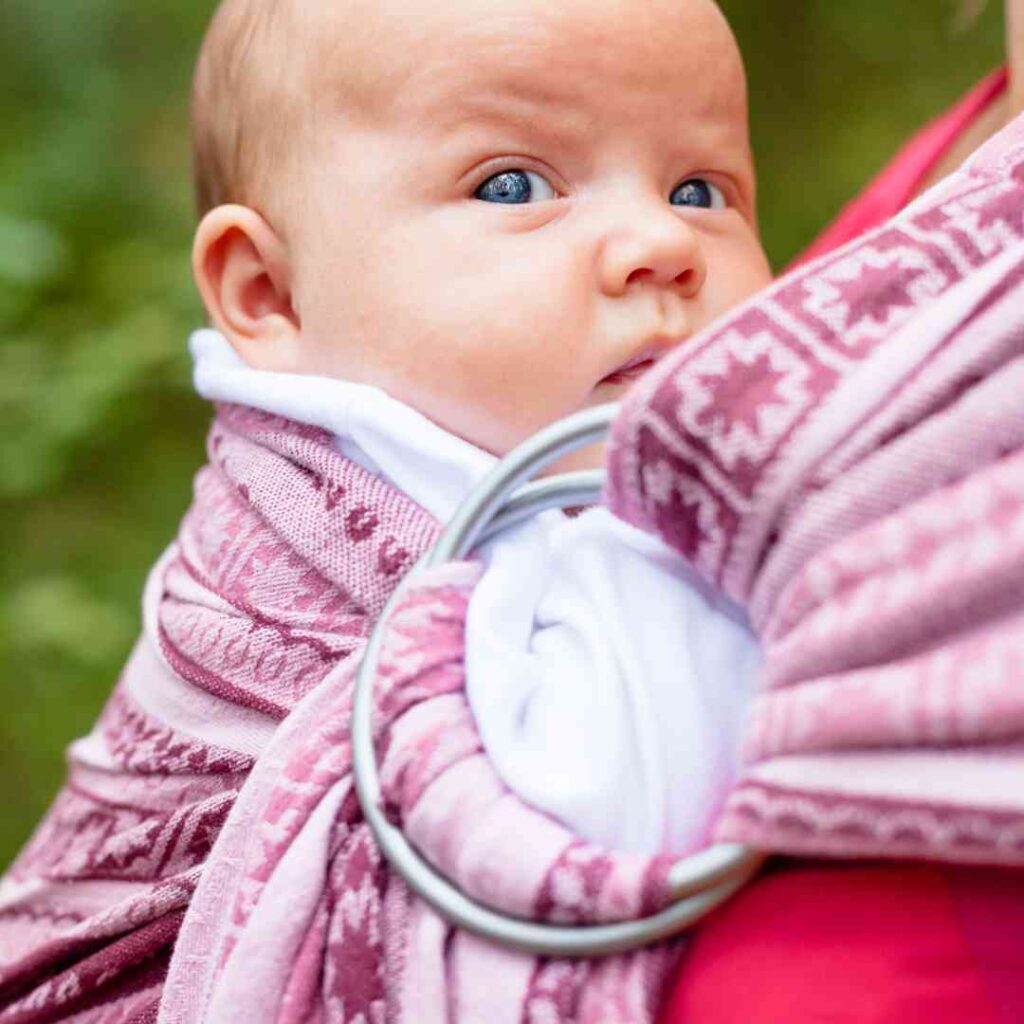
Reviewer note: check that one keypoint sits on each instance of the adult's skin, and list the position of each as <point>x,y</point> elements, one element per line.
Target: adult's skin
<point>1000,113</point>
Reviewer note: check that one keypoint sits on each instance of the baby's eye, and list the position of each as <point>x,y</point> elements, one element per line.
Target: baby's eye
<point>515,186</point>
<point>698,192</point>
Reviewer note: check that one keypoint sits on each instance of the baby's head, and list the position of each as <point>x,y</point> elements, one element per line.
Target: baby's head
<point>498,212</point>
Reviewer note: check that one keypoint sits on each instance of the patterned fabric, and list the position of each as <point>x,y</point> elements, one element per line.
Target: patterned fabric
<point>297,919</point>
<point>216,788</point>
<point>285,559</point>
<point>845,455</point>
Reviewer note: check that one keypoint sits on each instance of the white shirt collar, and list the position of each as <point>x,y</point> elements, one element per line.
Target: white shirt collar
<point>389,438</point>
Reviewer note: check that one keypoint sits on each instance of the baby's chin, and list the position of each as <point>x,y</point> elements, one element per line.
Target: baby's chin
<point>590,457</point>
<point>593,455</point>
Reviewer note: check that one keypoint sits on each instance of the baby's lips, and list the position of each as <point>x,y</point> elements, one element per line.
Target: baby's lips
<point>629,372</point>
<point>636,367</point>
<point>644,359</point>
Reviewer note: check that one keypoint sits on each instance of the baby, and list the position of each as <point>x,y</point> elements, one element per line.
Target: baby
<point>435,229</point>
<point>498,213</point>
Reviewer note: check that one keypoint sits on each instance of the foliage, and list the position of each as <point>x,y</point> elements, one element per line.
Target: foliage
<point>99,433</point>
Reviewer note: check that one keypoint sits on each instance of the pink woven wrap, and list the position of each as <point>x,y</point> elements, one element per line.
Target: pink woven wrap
<point>281,566</point>
<point>257,615</point>
<point>843,455</point>
<point>297,919</point>
<point>846,457</point>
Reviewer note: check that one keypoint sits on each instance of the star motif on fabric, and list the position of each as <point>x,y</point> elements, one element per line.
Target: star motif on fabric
<point>354,942</point>
<point>740,393</point>
<point>876,291</point>
<point>686,527</point>
<point>689,521</point>
<point>658,481</point>
<point>1008,211</point>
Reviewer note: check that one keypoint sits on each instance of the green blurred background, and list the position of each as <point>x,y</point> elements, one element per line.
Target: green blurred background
<point>99,432</point>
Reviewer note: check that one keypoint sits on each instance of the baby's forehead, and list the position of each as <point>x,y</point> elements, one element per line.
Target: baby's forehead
<point>423,56</point>
<point>578,62</point>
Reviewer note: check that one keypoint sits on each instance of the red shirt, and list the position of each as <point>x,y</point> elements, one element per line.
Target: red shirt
<point>816,943</point>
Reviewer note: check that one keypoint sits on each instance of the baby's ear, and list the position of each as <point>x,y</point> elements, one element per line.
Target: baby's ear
<point>243,273</point>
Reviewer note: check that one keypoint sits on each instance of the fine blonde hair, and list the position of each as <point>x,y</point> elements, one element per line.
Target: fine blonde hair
<point>249,99</point>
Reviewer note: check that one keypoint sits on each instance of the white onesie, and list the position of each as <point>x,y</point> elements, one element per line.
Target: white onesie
<point>609,684</point>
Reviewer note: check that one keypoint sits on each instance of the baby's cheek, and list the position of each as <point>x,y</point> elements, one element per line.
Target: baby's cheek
<point>497,349</point>
<point>751,272</point>
<point>722,296</point>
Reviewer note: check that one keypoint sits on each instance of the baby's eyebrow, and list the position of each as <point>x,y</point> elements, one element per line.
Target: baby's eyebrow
<point>516,111</point>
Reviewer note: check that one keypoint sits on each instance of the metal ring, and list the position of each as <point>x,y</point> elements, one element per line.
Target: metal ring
<point>697,883</point>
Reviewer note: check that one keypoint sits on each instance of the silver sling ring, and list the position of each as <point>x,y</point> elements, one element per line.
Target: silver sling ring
<point>697,883</point>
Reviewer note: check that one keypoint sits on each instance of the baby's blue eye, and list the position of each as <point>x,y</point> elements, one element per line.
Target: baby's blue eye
<point>515,187</point>
<point>697,192</point>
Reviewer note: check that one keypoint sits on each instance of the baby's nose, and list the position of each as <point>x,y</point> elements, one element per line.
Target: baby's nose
<point>656,246</point>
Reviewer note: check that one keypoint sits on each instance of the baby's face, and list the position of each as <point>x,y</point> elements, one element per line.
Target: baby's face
<point>524,205</point>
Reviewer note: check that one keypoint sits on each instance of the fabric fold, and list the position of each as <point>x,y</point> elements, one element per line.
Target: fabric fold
<point>846,457</point>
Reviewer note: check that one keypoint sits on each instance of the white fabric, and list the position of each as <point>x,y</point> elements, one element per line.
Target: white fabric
<point>385,436</point>
<point>609,686</point>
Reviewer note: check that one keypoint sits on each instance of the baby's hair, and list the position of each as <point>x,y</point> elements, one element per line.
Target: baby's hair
<point>247,100</point>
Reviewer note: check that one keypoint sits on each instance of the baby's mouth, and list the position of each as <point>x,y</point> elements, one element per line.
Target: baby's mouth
<point>630,371</point>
